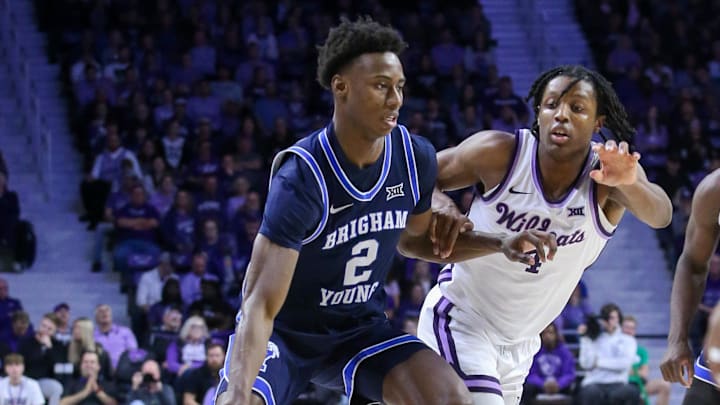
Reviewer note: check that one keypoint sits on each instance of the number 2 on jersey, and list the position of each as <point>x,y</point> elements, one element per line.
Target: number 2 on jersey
<point>364,254</point>
<point>534,268</point>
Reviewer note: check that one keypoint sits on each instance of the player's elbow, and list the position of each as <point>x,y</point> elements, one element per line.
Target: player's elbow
<point>662,215</point>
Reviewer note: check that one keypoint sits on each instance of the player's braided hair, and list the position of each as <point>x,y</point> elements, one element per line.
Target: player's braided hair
<point>351,39</point>
<point>608,103</point>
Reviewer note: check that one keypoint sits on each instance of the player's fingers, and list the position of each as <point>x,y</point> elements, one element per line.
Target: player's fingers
<point>688,373</point>
<point>452,237</point>
<point>597,175</point>
<point>521,257</point>
<point>610,145</point>
<point>636,156</point>
<point>537,243</point>
<point>444,227</point>
<point>624,148</point>
<point>433,234</point>
<point>673,371</point>
<point>467,226</point>
<point>552,245</point>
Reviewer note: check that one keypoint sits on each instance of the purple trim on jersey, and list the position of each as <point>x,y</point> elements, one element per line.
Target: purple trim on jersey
<point>446,344</point>
<point>446,273</point>
<point>537,176</point>
<point>595,208</point>
<point>344,180</point>
<point>519,138</point>
<point>411,165</point>
<point>702,372</point>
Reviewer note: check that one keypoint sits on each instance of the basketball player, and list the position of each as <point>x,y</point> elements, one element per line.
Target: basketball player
<point>701,239</point>
<point>485,315</point>
<point>339,202</point>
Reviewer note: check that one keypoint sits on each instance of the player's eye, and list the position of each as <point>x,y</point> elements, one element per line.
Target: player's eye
<point>578,108</point>
<point>550,103</point>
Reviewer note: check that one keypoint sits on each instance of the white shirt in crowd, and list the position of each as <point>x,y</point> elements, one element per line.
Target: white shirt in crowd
<point>608,359</point>
<point>26,393</point>
<point>150,287</point>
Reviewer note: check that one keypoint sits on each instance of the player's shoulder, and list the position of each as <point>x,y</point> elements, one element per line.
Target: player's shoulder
<point>709,188</point>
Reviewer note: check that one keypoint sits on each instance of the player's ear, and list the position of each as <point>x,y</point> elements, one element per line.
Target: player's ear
<point>599,123</point>
<point>339,86</point>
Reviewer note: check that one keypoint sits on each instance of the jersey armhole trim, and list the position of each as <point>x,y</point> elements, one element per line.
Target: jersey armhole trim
<point>517,151</point>
<point>602,225</point>
<point>411,164</point>
<point>319,178</point>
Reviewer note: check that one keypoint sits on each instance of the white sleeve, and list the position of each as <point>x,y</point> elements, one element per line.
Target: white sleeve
<point>95,172</point>
<point>35,396</point>
<point>588,354</point>
<point>143,291</point>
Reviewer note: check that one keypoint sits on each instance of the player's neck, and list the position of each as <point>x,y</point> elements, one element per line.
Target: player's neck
<point>558,175</point>
<point>359,148</point>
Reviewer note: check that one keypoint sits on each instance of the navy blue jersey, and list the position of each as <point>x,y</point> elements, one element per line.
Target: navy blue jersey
<point>346,223</point>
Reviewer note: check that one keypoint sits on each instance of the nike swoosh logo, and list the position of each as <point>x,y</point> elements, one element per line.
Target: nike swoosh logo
<point>513,191</point>
<point>335,210</point>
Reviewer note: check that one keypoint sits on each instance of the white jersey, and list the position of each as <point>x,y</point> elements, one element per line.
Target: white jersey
<point>513,301</point>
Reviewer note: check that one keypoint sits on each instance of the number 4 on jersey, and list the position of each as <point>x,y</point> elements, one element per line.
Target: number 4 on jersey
<point>534,268</point>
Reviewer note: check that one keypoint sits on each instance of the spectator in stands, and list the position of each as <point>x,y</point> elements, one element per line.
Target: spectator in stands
<point>173,145</point>
<point>410,325</point>
<point>63,334</point>
<point>9,217</point>
<point>204,105</point>
<point>40,353</point>
<point>710,298</point>
<point>641,372</point>
<point>83,340</point>
<point>147,388</point>
<point>161,336</point>
<point>506,97</point>
<point>150,286</point>
<point>20,329</point>
<point>573,316</point>
<point>117,200</point>
<point>171,298</point>
<point>553,368</point>
<point>16,389</point>
<point>198,385</point>
<point>623,57</point>
<point>178,229</point>
<point>104,177</point>
<point>608,355</point>
<point>219,248</point>
<point>8,306</point>
<point>136,224</point>
<point>91,388</point>
<point>210,203</point>
<point>190,282</point>
<point>114,338</point>
<point>163,197</point>
<point>188,351</point>
<point>218,314</point>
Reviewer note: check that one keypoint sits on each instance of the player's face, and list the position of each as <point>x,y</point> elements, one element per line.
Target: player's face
<point>374,92</point>
<point>568,122</point>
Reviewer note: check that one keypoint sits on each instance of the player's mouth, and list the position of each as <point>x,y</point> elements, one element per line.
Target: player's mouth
<point>391,119</point>
<point>559,135</point>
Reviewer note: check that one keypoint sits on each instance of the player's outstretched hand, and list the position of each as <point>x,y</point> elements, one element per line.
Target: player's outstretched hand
<point>446,224</point>
<point>617,165</point>
<point>678,364</point>
<point>523,246</point>
<point>712,343</point>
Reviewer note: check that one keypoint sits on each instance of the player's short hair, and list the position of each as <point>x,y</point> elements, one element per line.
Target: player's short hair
<point>608,103</point>
<point>351,39</point>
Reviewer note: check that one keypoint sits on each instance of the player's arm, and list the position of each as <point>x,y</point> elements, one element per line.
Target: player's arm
<point>422,227</point>
<point>292,208</point>
<point>629,187</point>
<point>266,285</point>
<point>701,238</point>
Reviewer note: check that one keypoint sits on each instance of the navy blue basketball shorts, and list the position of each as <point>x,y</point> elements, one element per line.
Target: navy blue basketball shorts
<point>355,365</point>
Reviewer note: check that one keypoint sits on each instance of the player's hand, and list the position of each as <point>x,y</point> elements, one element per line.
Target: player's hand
<point>712,343</point>
<point>678,364</point>
<point>518,246</point>
<point>618,166</point>
<point>446,224</point>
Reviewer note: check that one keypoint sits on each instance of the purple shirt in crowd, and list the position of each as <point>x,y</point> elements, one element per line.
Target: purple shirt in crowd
<point>558,363</point>
<point>146,211</point>
<point>116,341</point>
